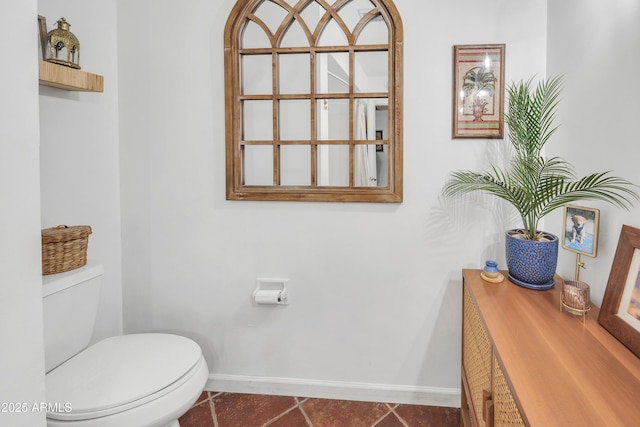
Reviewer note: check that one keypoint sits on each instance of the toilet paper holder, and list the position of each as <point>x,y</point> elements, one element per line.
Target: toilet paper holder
<point>271,291</point>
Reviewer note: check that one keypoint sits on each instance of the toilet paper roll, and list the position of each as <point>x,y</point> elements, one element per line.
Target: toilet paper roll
<point>267,297</point>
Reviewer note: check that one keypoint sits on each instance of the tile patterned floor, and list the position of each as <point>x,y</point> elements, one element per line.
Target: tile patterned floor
<point>250,410</point>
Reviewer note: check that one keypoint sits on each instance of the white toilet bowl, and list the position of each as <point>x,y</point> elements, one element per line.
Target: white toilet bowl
<point>131,380</point>
<point>136,380</point>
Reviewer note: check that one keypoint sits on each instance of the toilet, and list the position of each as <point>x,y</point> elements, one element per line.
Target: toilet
<point>136,380</point>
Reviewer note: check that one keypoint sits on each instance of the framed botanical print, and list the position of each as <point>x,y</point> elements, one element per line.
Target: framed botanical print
<point>478,91</point>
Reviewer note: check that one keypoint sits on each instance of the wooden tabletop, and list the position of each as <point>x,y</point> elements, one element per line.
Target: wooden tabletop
<point>562,372</point>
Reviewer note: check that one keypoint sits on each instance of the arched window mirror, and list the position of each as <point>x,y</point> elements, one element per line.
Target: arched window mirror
<point>314,100</point>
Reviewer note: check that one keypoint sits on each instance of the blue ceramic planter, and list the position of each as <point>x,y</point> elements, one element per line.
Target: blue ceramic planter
<point>531,264</point>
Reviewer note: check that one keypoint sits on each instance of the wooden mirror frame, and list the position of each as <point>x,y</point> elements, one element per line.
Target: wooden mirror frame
<point>236,22</point>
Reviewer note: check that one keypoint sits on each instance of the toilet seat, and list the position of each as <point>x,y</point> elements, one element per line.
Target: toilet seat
<point>121,373</point>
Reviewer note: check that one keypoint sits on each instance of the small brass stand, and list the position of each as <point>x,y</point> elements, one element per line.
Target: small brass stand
<point>579,265</point>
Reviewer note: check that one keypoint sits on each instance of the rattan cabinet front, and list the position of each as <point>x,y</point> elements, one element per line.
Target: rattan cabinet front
<point>476,359</point>
<point>487,397</point>
<point>527,363</point>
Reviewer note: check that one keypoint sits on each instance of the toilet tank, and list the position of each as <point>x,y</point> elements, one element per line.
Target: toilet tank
<point>70,305</point>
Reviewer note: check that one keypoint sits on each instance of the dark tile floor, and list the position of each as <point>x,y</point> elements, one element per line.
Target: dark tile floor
<point>252,410</point>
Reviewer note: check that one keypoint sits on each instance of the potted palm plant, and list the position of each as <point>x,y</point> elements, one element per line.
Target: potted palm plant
<point>535,185</point>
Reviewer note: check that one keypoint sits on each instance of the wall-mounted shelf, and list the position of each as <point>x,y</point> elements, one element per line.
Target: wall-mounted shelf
<point>68,78</point>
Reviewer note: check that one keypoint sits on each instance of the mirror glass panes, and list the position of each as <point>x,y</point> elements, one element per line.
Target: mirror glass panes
<point>293,73</point>
<point>295,165</point>
<point>332,119</point>
<point>332,72</point>
<point>258,164</point>
<point>271,14</point>
<point>374,33</point>
<point>311,15</point>
<point>371,71</point>
<point>333,35</point>
<point>254,37</point>
<point>295,36</point>
<point>353,12</point>
<point>333,165</point>
<point>294,120</point>
<point>368,163</point>
<point>257,123</point>
<point>256,74</point>
<point>313,107</point>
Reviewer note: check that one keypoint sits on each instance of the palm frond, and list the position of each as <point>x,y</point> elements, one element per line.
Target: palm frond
<point>536,186</point>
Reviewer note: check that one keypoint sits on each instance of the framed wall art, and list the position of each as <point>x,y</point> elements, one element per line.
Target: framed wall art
<point>478,91</point>
<point>580,231</point>
<point>620,311</point>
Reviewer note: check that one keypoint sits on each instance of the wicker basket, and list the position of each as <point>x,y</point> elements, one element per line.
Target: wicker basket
<point>64,248</point>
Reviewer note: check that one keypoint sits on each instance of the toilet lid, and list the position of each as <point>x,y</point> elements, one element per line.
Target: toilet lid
<point>118,371</point>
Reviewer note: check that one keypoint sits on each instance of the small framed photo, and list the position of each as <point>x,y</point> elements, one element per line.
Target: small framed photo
<point>620,311</point>
<point>478,91</point>
<point>580,230</point>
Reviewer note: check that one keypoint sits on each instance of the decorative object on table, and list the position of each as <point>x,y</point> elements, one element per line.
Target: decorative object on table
<point>620,311</point>
<point>580,233</point>
<point>64,47</point>
<point>534,185</point>
<point>43,36</point>
<point>575,298</point>
<point>491,273</point>
<point>64,248</point>
<point>478,91</point>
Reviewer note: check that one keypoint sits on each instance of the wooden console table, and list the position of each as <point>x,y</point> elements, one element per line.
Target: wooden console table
<point>527,363</point>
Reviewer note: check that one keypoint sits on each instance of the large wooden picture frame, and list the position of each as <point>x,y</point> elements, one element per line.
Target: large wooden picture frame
<point>620,311</point>
<point>478,91</point>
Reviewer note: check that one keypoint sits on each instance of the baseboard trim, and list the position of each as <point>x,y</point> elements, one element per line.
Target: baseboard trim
<point>413,395</point>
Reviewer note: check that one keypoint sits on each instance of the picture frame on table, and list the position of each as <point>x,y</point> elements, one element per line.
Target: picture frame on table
<point>580,230</point>
<point>620,311</point>
<point>478,91</point>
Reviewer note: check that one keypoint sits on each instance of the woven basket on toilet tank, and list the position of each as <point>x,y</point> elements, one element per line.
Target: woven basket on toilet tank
<point>64,248</point>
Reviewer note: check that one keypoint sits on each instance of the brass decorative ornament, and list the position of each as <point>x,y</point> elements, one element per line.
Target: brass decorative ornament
<point>61,42</point>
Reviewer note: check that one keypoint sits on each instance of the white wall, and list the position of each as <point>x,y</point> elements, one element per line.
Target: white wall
<point>79,149</point>
<point>21,357</point>
<point>388,319</point>
<point>597,46</point>
<point>375,289</point>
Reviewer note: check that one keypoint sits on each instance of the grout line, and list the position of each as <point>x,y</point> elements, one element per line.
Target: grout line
<point>213,413</point>
<point>212,405</point>
<point>293,408</point>
<point>390,409</point>
<point>404,423</point>
<point>200,401</point>
<point>306,417</point>
<point>271,421</point>
<point>299,401</point>
<point>380,420</point>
